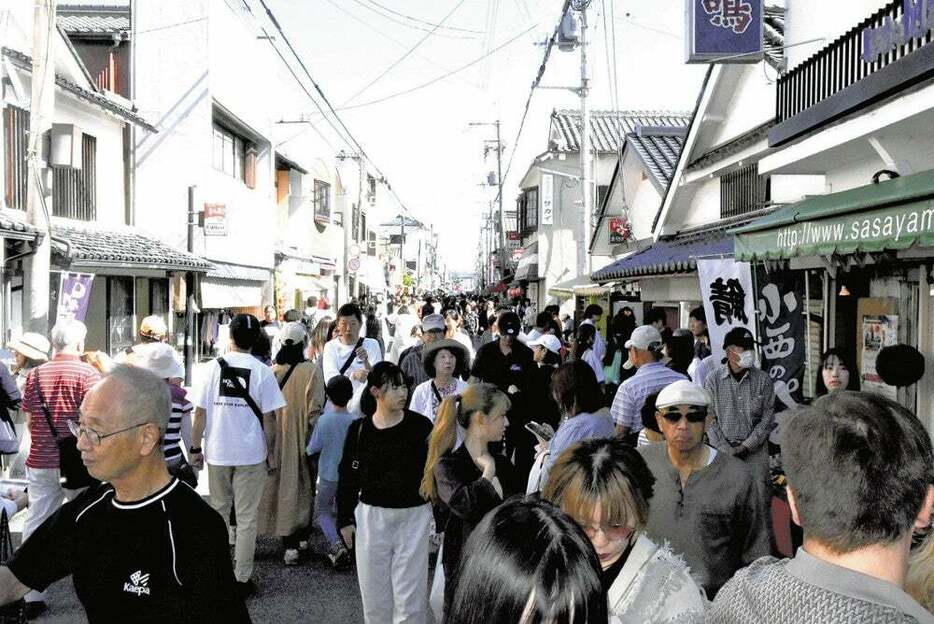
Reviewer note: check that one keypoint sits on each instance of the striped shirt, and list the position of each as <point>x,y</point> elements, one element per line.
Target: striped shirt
<point>627,404</point>
<point>181,409</point>
<point>63,382</point>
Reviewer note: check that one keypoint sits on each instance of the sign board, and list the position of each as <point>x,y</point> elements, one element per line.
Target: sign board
<point>547,199</point>
<point>513,241</point>
<point>876,333</point>
<point>516,254</point>
<point>916,21</point>
<point>74,295</point>
<point>724,31</point>
<point>215,220</point>
<point>619,229</point>
<point>782,331</point>
<point>353,264</point>
<point>729,301</point>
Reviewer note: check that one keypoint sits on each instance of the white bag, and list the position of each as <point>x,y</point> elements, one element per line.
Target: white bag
<point>9,444</point>
<point>436,597</point>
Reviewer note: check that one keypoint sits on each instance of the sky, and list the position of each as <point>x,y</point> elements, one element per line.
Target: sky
<point>422,141</point>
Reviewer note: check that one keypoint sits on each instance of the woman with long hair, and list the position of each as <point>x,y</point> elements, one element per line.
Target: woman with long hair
<point>285,508</point>
<point>577,394</point>
<point>528,562</point>
<point>378,500</point>
<point>584,350</point>
<point>454,330</point>
<point>606,486</point>
<point>836,373</point>
<point>445,362</point>
<point>464,483</point>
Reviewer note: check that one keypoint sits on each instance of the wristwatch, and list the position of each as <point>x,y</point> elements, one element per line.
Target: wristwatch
<point>194,449</point>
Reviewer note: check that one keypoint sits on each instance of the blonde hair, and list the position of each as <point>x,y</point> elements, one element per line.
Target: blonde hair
<point>920,580</point>
<point>604,472</point>
<point>454,410</point>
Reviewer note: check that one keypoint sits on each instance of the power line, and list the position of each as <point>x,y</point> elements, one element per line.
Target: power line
<point>404,56</point>
<point>421,21</point>
<point>406,24</point>
<point>324,98</point>
<point>443,76</point>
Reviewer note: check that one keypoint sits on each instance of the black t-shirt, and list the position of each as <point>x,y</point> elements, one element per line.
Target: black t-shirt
<point>492,366</point>
<point>391,465</point>
<point>160,559</point>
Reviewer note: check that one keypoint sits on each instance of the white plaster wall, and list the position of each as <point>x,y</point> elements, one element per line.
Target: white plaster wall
<point>704,207</point>
<point>828,19</point>
<point>643,207</point>
<point>748,102</point>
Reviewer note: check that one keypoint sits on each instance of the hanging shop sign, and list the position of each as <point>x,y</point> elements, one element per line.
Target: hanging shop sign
<point>620,230</point>
<point>724,31</point>
<point>215,220</point>
<point>548,199</point>
<point>729,301</point>
<point>782,327</point>
<point>514,242</point>
<point>74,296</point>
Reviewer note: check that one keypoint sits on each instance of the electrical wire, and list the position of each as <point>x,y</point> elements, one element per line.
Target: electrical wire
<point>353,141</point>
<point>443,76</point>
<point>421,21</point>
<point>408,53</point>
<point>408,25</point>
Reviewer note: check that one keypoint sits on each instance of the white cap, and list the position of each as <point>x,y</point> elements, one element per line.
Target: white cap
<point>293,333</point>
<point>158,358</point>
<point>548,341</point>
<point>682,393</point>
<point>643,337</point>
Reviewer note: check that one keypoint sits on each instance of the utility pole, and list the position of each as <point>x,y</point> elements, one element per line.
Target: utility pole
<point>347,225</point>
<point>38,193</point>
<point>583,250</point>
<point>360,237</point>
<point>193,222</point>
<point>499,183</point>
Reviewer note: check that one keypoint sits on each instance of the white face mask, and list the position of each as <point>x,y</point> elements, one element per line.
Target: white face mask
<point>747,359</point>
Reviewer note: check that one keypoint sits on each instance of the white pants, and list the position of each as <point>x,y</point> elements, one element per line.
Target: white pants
<point>392,563</point>
<point>45,498</point>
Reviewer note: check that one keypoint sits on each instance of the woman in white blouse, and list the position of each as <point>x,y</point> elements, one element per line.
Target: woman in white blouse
<point>445,363</point>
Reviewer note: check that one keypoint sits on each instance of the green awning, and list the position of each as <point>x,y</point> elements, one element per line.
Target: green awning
<point>892,215</point>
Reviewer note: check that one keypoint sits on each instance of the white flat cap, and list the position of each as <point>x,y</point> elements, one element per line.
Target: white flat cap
<point>682,393</point>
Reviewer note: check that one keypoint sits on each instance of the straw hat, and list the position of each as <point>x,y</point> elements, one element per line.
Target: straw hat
<point>32,345</point>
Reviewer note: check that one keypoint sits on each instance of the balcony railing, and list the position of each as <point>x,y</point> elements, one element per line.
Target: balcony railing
<point>877,42</point>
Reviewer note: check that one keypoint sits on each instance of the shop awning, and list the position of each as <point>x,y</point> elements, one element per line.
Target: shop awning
<point>527,268</point>
<point>892,215</point>
<point>581,285</point>
<point>230,285</point>
<point>664,257</point>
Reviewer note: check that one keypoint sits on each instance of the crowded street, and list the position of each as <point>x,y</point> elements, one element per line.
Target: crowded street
<point>448,312</point>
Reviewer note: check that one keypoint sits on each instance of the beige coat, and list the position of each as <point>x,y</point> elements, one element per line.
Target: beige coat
<point>286,503</point>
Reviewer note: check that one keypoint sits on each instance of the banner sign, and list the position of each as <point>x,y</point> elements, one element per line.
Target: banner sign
<point>724,31</point>
<point>215,220</point>
<point>729,301</point>
<point>916,22</point>
<point>74,295</point>
<point>548,199</point>
<point>782,330</point>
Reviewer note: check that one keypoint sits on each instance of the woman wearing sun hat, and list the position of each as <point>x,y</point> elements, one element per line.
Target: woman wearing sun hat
<point>445,361</point>
<point>30,350</point>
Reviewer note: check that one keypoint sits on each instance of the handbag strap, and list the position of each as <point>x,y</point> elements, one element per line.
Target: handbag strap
<point>45,406</point>
<point>246,393</point>
<point>351,357</point>
<point>285,378</point>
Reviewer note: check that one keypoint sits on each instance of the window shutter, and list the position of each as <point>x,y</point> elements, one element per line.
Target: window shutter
<point>249,173</point>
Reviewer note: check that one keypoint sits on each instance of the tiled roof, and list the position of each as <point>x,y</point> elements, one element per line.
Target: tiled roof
<point>607,128</point>
<point>124,247</point>
<point>13,225</point>
<point>676,255</point>
<point>100,23</point>
<point>25,62</point>
<point>659,153</point>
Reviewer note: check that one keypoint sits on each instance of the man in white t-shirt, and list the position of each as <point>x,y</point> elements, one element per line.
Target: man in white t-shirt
<point>349,354</point>
<point>237,436</point>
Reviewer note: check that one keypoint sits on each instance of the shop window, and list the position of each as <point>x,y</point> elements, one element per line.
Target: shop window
<point>74,191</point>
<point>234,155</point>
<point>15,139</point>
<point>159,297</point>
<point>322,202</point>
<point>121,318</point>
<point>528,210</point>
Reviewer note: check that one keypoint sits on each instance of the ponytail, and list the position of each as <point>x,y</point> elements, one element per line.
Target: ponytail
<point>443,438</point>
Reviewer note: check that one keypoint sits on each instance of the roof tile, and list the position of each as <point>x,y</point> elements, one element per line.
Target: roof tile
<point>607,128</point>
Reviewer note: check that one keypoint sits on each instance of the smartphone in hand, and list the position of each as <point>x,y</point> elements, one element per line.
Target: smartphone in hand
<point>542,431</point>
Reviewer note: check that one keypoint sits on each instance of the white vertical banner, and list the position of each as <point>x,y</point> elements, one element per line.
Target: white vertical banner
<point>729,301</point>
<point>547,199</point>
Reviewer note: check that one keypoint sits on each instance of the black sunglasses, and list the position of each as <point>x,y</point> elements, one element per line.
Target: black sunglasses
<point>694,415</point>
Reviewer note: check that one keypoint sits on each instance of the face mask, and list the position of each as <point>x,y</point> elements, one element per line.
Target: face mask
<point>747,359</point>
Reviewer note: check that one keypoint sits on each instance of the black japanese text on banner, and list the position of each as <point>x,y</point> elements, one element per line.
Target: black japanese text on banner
<point>782,324</point>
<point>729,301</point>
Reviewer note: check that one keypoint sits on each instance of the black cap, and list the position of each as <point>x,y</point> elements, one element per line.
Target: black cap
<point>739,337</point>
<point>509,324</point>
<point>900,365</point>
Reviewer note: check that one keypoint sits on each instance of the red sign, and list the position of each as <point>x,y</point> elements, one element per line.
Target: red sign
<point>215,220</point>
<point>620,230</point>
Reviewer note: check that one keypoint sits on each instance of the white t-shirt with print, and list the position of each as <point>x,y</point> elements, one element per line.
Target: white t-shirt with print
<point>334,356</point>
<point>233,434</point>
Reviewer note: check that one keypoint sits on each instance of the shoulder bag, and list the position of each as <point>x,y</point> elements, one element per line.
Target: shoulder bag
<point>73,470</point>
<point>351,357</point>
<point>246,393</point>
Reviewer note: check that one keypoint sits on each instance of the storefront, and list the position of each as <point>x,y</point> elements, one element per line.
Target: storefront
<point>298,278</point>
<point>226,290</point>
<point>868,254</point>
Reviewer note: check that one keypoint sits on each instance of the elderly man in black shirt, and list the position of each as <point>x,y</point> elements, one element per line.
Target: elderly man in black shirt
<point>142,546</point>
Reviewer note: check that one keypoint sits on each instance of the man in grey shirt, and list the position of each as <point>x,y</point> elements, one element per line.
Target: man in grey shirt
<point>705,504</point>
<point>860,481</point>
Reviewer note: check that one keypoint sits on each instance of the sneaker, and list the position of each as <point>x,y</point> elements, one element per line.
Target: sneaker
<point>245,589</point>
<point>35,608</point>
<point>303,546</point>
<point>339,556</point>
<point>291,557</point>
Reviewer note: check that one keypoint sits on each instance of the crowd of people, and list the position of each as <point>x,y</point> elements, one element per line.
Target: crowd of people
<point>562,475</point>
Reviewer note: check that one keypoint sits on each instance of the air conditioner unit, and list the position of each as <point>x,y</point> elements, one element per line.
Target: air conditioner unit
<point>65,146</point>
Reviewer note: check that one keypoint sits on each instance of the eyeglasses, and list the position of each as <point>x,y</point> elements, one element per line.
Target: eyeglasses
<point>674,415</point>
<point>613,532</point>
<point>93,436</point>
